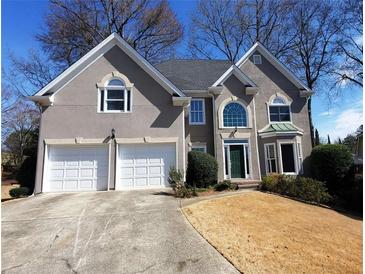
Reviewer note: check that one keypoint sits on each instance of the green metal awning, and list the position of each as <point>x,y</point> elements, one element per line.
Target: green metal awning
<point>280,128</point>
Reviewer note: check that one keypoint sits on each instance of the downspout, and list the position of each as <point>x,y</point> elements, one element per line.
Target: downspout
<point>214,126</point>
<point>183,140</point>
<point>257,146</point>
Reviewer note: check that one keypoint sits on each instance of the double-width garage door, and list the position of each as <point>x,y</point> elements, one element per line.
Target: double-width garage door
<point>144,165</point>
<point>76,168</point>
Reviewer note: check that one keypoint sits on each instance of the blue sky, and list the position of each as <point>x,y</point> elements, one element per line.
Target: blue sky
<point>22,19</point>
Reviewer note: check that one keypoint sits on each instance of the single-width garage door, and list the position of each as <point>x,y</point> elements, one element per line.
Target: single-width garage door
<point>76,168</point>
<point>144,165</point>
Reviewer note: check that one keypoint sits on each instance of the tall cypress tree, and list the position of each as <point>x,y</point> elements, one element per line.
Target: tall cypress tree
<point>316,138</point>
<point>328,139</point>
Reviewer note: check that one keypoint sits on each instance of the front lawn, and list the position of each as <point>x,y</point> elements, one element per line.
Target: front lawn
<point>265,233</point>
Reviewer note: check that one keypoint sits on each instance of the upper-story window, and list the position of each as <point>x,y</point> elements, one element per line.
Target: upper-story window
<point>279,110</point>
<point>197,112</point>
<point>234,115</point>
<point>257,59</point>
<point>115,97</point>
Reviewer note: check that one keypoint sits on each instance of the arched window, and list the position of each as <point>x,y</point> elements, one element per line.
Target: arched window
<point>278,101</point>
<point>234,115</point>
<point>115,97</point>
<point>279,110</point>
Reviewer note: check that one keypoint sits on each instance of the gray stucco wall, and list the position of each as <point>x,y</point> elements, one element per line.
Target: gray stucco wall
<point>233,87</point>
<point>270,82</point>
<point>74,113</point>
<point>201,133</point>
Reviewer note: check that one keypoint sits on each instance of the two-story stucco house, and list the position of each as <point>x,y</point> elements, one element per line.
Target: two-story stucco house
<point>114,121</point>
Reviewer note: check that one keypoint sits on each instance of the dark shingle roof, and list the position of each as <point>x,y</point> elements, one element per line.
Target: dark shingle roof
<point>189,74</point>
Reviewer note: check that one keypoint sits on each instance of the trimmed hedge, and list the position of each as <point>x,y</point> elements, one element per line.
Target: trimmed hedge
<point>330,164</point>
<point>306,189</point>
<point>202,169</point>
<point>226,184</point>
<point>19,192</point>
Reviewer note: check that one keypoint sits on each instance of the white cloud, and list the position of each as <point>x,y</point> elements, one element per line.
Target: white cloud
<point>347,122</point>
<point>326,113</point>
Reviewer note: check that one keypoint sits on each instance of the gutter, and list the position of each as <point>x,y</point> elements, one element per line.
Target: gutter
<point>42,100</point>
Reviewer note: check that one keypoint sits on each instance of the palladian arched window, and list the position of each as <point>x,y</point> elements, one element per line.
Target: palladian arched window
<point>234,115</point>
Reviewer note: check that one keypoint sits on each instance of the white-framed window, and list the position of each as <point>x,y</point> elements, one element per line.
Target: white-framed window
<point>270,158</point>
<point>197,112</point>
<point>201,148</point>
<point>257,60</point>
<point>300,158</point>
<point>115,97</point>
<point>234,115</point>
<point>279,110</point>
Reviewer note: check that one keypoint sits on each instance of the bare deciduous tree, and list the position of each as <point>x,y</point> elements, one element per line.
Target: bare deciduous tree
<point>350,44</point>
<point>315,47</point>
<point>231,27</point>
<point>218,26</point>
<point>28,75</point>
<point>74,27</point>
<point>21,126</point>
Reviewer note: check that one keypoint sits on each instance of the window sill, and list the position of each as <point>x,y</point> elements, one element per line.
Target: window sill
<point>114,112</point>
<point>230,128</point>
<point>197,124</point>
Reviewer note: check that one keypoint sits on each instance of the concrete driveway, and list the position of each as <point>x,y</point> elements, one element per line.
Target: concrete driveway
<point>103,232</point>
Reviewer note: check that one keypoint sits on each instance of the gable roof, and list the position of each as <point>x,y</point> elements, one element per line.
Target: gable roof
<point>276,63</point>
<point>189,74</point>
<point>112,40</point>
<point>236,72</point>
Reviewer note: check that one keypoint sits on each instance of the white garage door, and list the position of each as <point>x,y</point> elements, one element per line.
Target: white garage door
<point>76,168</point>
<point>144,165</point>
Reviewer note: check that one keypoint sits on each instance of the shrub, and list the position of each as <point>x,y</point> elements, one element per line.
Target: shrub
<point>269,183</point>
<point>303,188</point>
<point>175,179</point>
<point>223,185</point>
<point>330,164</point>
<point>233,186</point>
<point>311,190</point>
<point>202,169</point>
<point>26,173</point>
<point>353,193</point>
<point>19,192</point>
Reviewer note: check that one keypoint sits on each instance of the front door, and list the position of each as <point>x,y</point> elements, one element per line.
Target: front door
<point>237,161</point>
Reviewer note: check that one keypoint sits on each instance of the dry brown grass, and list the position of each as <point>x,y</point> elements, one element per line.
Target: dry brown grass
<point>263,233</point>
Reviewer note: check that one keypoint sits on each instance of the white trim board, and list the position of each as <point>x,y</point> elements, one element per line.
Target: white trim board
<point>112,40</point>
<point>236,72</point>
<point>276,63</point>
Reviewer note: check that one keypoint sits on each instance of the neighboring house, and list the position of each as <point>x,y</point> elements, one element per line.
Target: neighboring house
<point>114,121</point>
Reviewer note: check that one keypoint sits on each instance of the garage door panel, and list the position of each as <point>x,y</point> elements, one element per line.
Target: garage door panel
<point>56,185</point>
<point>72,173</point>
<point>140,181</point>
<point>144,165</point>
<point>156,181</point>
<point>127,183</point>
<point>71,184</point>
<point>56,173</point>
<point>86,184</point>
<point>156,170</point>
<point>85,173</point>
<point>77,168</point>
